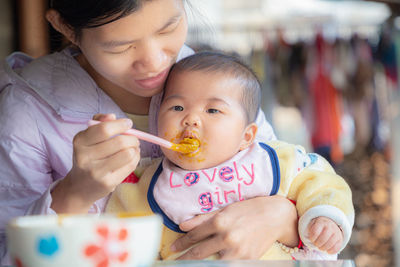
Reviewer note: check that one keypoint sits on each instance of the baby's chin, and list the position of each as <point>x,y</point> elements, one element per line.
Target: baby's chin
<point>192,164</point>
<point>195,163</point>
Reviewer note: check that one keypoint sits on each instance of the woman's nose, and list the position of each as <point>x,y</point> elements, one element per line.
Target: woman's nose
<point>152,59</point>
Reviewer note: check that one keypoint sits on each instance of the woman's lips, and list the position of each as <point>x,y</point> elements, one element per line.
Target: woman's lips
<point>155,81</point>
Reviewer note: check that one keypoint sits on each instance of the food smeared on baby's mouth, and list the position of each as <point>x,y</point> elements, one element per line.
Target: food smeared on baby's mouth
<point>187,145</point>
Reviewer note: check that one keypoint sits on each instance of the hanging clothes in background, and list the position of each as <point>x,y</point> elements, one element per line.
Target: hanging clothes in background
<point>360,92</point>
<point>279,54</point>
<point>342,67</point>
<point>387,57</point>
<point>386,54</point>
<point>326,114</point>
<point>339,88</point>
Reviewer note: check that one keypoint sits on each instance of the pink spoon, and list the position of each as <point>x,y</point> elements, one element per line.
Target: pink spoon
<point>189,145</point>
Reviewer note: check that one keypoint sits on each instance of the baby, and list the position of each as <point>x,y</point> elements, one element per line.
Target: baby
<point>214,98</point>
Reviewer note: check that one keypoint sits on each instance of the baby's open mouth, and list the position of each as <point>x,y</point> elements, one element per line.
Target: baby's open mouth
<point>187,145</point>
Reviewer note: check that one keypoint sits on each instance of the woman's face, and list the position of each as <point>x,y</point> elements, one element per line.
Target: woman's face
<point>137,51</point>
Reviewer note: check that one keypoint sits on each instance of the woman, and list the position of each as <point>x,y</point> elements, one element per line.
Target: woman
<point>50,162</point>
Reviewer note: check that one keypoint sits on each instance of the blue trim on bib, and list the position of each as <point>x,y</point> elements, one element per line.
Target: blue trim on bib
<point>275,167</point>
<point>155,207</point>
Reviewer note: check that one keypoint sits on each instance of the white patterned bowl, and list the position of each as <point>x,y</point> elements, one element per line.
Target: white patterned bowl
<point>84,240</point>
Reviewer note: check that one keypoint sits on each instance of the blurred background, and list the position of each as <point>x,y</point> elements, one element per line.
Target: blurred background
<point>330,79</point>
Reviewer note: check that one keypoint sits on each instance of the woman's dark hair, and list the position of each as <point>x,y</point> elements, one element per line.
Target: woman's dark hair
<point>230,66</point>
<point>81,14</point>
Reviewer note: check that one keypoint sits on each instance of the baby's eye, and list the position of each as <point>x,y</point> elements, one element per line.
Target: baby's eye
<point>212,110</point>
<point>177,108</point>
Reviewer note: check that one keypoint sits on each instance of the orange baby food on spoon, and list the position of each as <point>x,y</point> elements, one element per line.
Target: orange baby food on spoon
<point>186,146</point>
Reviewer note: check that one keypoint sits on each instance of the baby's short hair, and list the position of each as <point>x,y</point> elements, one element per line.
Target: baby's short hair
<point>230,65</point>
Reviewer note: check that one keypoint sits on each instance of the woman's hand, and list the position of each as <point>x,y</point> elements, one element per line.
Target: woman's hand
<point>102,159</point>
<point>242,230</point>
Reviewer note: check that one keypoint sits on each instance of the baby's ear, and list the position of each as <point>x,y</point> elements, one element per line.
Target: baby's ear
<point>248,136</point>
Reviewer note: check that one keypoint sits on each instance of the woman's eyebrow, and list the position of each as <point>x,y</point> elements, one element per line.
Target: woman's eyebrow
<point>114,43</point>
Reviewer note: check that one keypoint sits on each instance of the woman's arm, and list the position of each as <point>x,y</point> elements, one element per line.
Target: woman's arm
<point>242,230</point>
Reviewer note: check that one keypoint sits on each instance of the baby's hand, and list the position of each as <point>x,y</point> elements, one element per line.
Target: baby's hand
<point>325,234</point>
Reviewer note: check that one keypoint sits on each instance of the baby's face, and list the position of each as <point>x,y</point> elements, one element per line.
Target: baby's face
<point>204,106</point>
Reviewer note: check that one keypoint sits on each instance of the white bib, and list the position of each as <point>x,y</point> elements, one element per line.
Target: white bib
<point>181,194</point>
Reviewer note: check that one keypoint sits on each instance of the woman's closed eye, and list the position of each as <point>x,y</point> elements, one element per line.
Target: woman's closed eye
<point>172,27</point>
<point>120,52</point>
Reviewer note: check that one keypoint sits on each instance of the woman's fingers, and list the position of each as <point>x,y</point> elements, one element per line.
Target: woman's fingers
<point>127,157</point>
<point>203,249</point>
<point>101,132</point>
<point>111,146</point>
<point>198,228</point>
<point>196,221</point>
<point>104,117</point>
<point>103,157</point>
<point>116,168</point>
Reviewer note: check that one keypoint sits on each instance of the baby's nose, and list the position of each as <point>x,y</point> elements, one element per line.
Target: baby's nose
<point>192,120</point>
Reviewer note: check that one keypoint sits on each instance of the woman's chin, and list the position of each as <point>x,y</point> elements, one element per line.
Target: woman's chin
<point>146,92</point>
